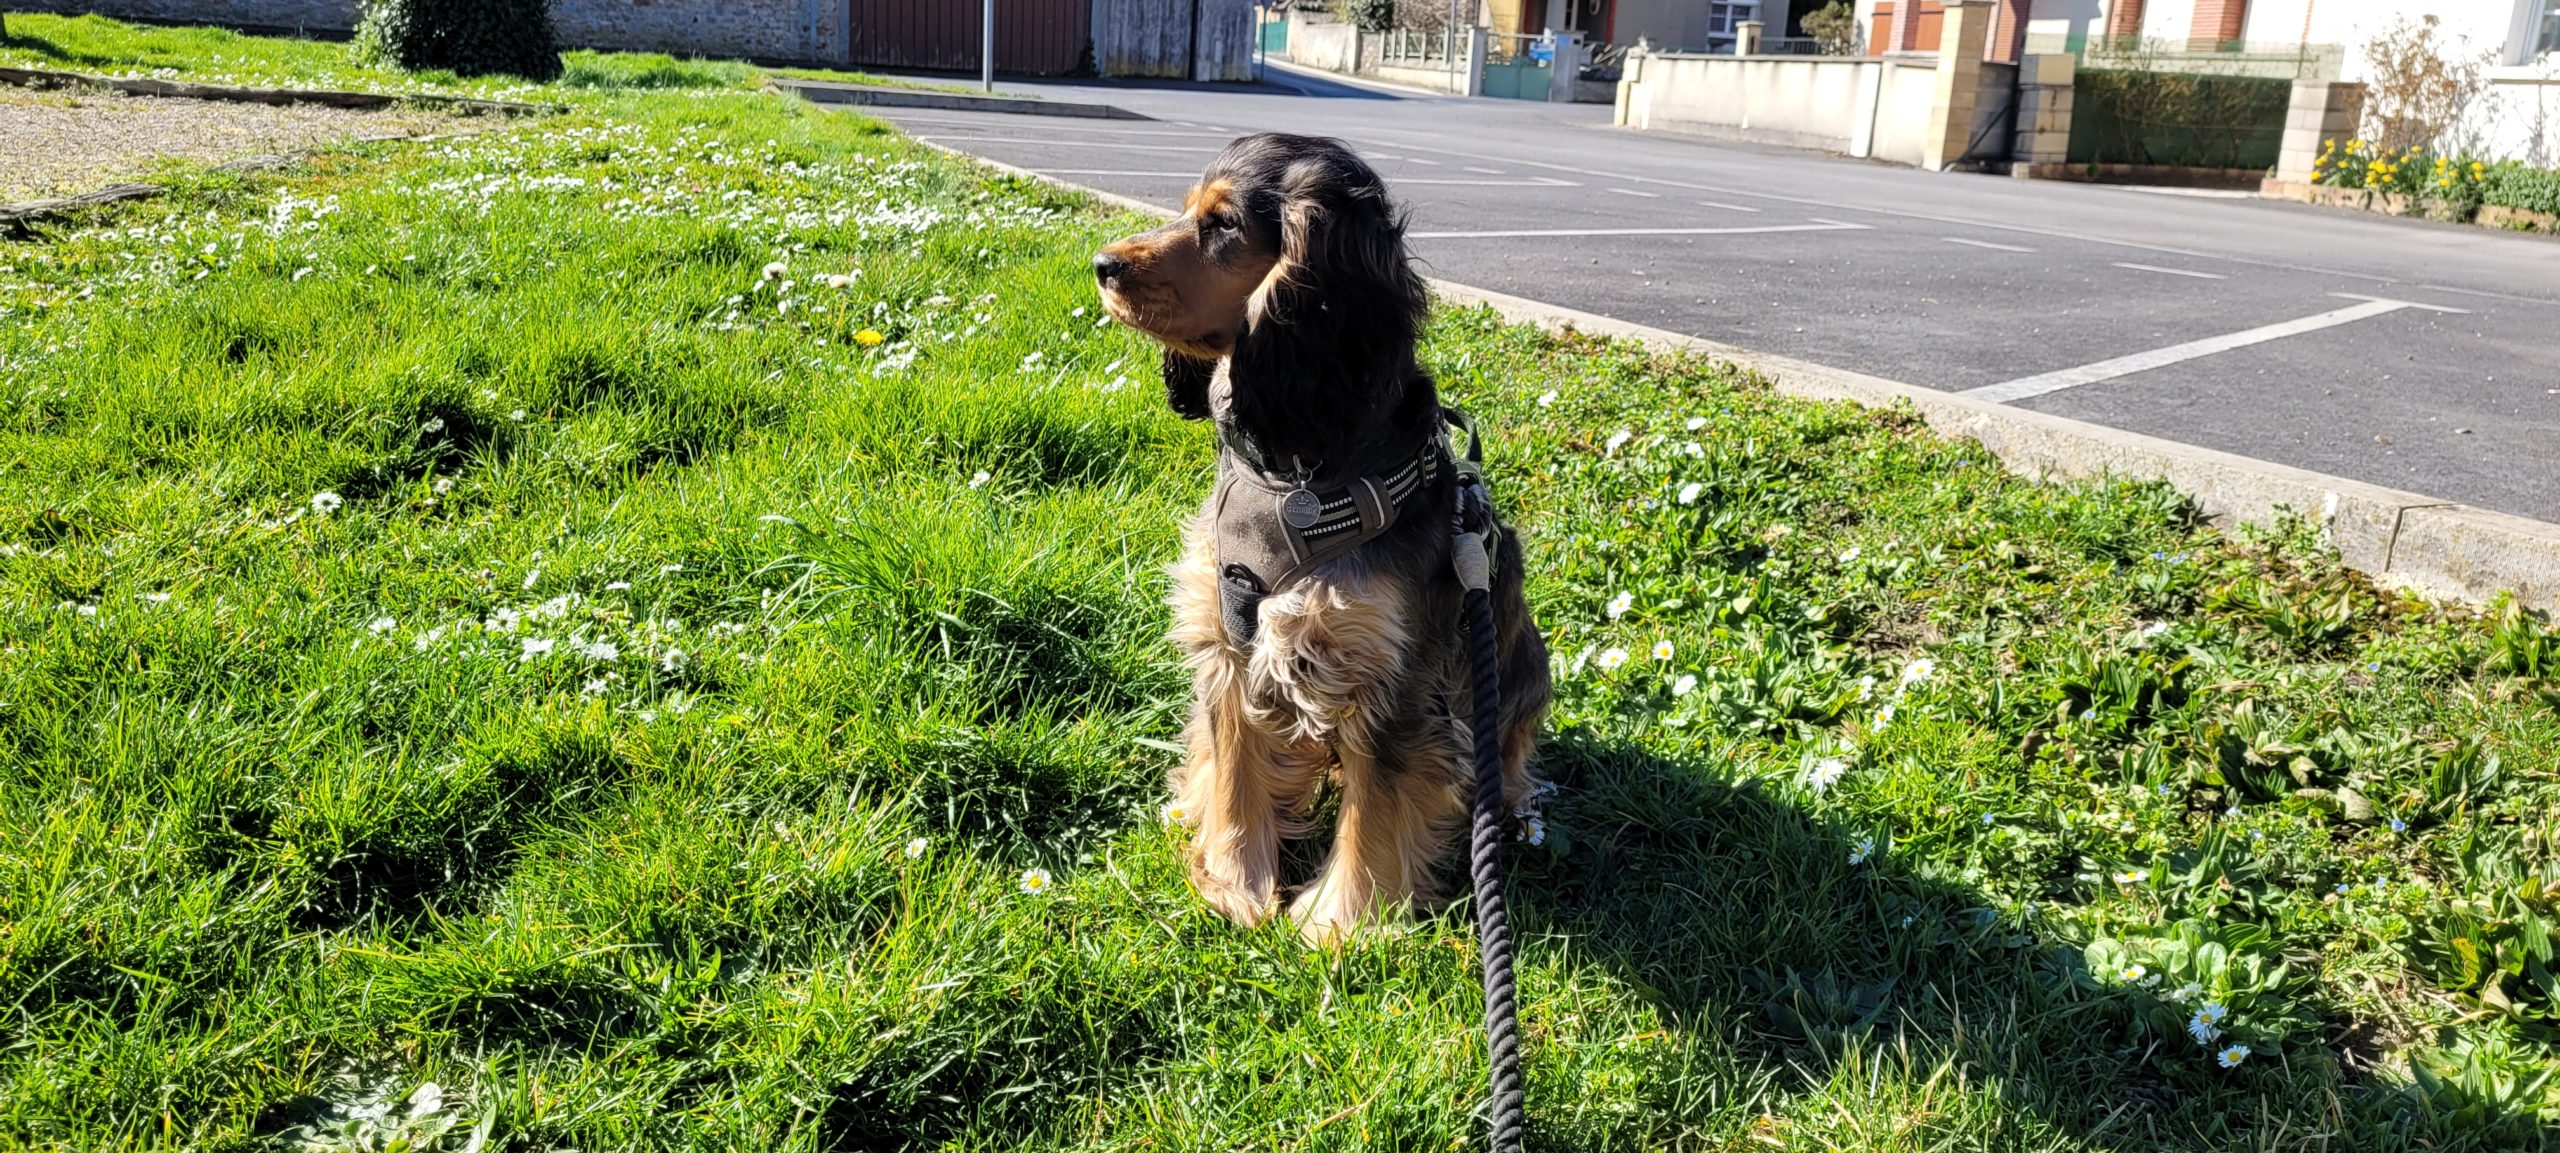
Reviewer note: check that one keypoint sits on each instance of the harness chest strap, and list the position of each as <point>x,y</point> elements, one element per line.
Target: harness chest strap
<point>1270,532</point>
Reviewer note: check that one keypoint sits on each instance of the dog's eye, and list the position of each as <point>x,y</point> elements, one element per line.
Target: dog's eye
<point>1226,224</point>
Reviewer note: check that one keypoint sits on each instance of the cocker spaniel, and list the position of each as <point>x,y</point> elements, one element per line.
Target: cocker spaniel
<point>1315,600</point>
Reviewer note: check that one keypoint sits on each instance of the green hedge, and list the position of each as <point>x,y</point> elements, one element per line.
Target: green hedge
<point>2123,116</point>
<point>466,37</point>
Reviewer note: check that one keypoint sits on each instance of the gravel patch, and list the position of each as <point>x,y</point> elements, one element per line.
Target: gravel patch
<point>62,143</point>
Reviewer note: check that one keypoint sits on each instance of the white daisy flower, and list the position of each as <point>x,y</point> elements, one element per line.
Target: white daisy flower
<point>617,586</point>
<point>325,503</point>
<point>1684,686</point>
<point>1884,717</point>
<point>2129,876</point>
<point>1035,880</point>
<point>1619,604</point>
<point>1546,398</point>
<point>916,848</point>
<point>1613,658</point>
<point>1174,813</point>
<point>2202,1030</point>
<point>2212,1012</point>
<point>2132,973</point>
<point>443,485</point>
<point>673,661</point>
<point>1849,556</point>
<point>1865,848</point>
<point>1693,448</point>
<point>156,598</point>
<point>2231,1057</point>
<point>1918,671</point>
<point>504,621</point>
<point>1537,831</point>
<point>1826,773</point>
<point>382,625</point>
<point>2187,992</point>
<point>1618,440</point>
<point>980,480</point>
<point>1695,423</point>
<point>600,651</point>
<point>595,686</point>
<point>534,648</point>
<point>1662,650</point>
<point>1689,492</point>
<point>775,270</point>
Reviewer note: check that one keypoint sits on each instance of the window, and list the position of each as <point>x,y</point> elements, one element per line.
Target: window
<point>2546,36</point>
<point>1724,18</point>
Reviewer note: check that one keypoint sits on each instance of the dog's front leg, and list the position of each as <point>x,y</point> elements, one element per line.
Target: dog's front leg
<point>1225,792</point>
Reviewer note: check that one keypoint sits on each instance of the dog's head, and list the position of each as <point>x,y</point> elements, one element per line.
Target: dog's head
<point>1289,262</point>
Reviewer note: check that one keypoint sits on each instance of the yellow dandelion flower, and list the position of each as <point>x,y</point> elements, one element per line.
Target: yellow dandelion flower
<point>868,337</point>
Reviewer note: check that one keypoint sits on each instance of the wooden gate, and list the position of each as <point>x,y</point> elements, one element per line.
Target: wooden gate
<point>1033,37</point>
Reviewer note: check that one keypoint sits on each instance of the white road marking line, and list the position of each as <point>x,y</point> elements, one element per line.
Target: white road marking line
<point>1637,192</point>
<point>2058,234</point>
<point>2171,271</point>
<point>1532,182</point>
<point>1727,207</point>
<point>1112,144</point>
<point>1985,244</point>
<point>2038,385</point>
<point>1486,171</point>
<point>2402,303</point>
<point>1817,226</point>
<point>992,125</point>
<point>1419,160</point>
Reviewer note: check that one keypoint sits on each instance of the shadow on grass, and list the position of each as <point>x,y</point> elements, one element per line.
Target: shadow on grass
<point>57,53</point>
<point>1745,922</point>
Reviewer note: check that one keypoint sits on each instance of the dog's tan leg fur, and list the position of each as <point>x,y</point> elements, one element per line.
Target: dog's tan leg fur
<point>1240,786</point>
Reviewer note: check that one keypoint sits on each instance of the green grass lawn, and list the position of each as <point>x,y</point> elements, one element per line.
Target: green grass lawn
<point>583,634</point>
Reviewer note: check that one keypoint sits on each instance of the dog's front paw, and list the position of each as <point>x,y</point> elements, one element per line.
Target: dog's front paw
<point>1245,896</point>
<point>1333,911</point>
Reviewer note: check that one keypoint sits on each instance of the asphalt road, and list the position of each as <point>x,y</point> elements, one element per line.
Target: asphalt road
<point>2404,353</point>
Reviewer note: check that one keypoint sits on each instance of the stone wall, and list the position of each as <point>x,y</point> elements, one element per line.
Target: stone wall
<point>287,15</point>
<point>811,31</point>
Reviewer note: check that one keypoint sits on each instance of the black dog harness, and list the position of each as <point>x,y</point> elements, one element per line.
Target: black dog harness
<point>1276,521</point>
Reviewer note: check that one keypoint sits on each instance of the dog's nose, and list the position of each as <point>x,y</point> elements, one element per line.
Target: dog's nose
<point>1106,266</point>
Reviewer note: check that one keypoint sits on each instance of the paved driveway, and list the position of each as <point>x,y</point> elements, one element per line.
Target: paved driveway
<point>2414,355</point>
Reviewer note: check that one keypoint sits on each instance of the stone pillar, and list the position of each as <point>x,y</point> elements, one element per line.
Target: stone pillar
<point>2321,111</point>
<point>1562,69</point>
<point>1479,38</point>
<point>1959,82</point>
<point>1746,39</point>
<point>2044,113</point>
<point>1632,112</point>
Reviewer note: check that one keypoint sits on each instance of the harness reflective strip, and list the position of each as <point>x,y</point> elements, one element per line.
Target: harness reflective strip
<point>1398,487</point>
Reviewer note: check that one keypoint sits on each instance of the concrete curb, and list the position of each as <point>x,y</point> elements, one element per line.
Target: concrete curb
<point>2436,547</point>
<point>831,92</point>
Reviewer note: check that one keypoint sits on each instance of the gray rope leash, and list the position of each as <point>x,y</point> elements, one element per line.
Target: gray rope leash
<point>1507,1111</point>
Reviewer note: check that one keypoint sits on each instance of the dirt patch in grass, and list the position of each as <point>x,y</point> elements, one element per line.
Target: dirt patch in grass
<point>62,143</point>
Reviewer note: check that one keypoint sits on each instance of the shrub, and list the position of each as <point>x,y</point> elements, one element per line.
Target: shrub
<point>467,37</point>
<point>1370,15</point>
<point>1834,28</point>
<point>2516,185</point>
<point>2418,90</point>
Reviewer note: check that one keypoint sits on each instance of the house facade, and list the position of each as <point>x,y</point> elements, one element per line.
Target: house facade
<point>2516,43</point>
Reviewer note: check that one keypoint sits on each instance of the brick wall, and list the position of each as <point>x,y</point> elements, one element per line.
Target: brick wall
<point>2217,22</point>
<point>796,30</point>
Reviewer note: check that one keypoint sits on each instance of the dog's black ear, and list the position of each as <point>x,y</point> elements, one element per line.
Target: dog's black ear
<point>1328,342</point>
<point>1186,384</point>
